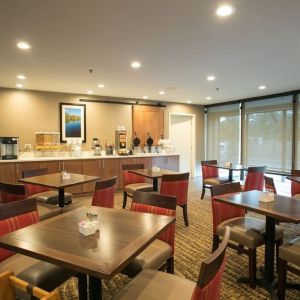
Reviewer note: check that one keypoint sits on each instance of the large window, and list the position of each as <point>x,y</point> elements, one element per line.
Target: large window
<point>268,133</point>
<point>223,134</point>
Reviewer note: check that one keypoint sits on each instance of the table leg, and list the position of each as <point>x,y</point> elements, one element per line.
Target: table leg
<point>230,177</point>
<point>155,184</point>
<point>242,175</point>
<point>61,197</point>
<point>269,250</point>
<point>95,288</point>
<point>82,286</point>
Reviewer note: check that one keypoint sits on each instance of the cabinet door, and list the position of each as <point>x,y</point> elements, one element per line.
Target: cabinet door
<point>111,168</point>
<point>91,167</point>
<point>73,166</point>
<point>172,163</point>
<point>7,172</point>
<point>52,166</point>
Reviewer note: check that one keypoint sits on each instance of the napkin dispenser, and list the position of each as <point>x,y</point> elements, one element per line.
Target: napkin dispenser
<point>266,197</point>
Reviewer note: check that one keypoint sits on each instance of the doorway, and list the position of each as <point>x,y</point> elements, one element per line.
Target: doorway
<point>182,135</point>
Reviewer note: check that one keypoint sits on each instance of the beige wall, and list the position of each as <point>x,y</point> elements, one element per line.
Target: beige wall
<point>22,113</point>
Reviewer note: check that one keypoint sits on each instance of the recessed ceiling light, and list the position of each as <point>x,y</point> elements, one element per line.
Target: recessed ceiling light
<point>89,92</point>
<point>145,97</point>
<point>135,64</point>
<point>161,92</point>
<point>211,78</point>
<point>224,11</point>
<point>19,85</point>
<point>189,101</point>
<point>262,87</point>
<point>22,77</point>
<point>100,85</point>
<point>208,98</point>
<point>23,45</point>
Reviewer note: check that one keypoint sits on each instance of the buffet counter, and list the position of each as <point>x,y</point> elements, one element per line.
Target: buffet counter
<point>104,166</point>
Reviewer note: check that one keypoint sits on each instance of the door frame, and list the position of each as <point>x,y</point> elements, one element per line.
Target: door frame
<point>193,135</point>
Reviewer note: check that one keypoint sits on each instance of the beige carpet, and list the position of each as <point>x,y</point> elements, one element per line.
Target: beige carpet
<point>193,244</point>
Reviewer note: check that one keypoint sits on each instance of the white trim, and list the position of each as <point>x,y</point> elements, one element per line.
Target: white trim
<point>193,150</point>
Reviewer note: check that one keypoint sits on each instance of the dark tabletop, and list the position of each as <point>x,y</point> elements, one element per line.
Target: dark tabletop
<point>233,167</point>
<point>293,178</point>
<point>282,208</point>
<point>123,235</point>
<point>149,173</point>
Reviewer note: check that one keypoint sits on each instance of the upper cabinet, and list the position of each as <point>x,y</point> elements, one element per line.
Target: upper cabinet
<point>148,119</point>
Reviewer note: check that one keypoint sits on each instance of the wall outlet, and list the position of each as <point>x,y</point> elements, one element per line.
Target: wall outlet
<point>27,146</point>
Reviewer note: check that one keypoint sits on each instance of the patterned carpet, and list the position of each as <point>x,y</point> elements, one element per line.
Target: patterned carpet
<point>192,245</point>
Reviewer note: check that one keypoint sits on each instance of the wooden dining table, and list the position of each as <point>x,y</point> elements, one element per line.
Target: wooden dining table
<point>153,174</point>
<point>231,168</point>
<point>122,236</point>
<point>56,181</point>
<point>294,178</point>
<point>285,209</point>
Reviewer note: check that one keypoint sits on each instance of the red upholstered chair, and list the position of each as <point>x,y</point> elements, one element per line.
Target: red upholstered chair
<point>177,185</point>
<point>10,192</point>
<point>270,185</point>
<point>154,285</point>
<point>254,179</point>
<point>16,215</point>
<point>295,186</point>
<point>210,176</point>
<point>244,231</point>
<point>160,253</point>
<point>133,182</point>
<point>104,193</point>
<point>41,193</point>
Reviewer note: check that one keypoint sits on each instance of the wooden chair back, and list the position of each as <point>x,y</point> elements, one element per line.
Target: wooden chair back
<point>8,284</point>
<point>34,172</point>
<point>227,188</point>
<point>207,171</point>
<point>255,178</point>
<point>295,186</point>
<point>104,193</point>
<point>10,192</point>
<point>32,189</point>
<point>16,208</point>
<point>211,271</point>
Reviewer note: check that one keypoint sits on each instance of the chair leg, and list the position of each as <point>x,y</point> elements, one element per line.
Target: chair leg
<point>185,214</point>
<point>252,268</point>
<point>170,265</point>
<point>216,241</point>
<point>124,199</point>
<point>282,270</point>
<point>240,249</point>
<point>203,192</point>
<point>278,243</point>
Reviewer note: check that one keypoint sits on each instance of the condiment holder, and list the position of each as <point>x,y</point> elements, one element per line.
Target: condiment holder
<point>90,226</point>
<point>155,169</point>
<point>65,175</point>
<point>266,197</point>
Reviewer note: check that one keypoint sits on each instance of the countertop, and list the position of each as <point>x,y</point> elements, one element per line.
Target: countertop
<point>27,157</point>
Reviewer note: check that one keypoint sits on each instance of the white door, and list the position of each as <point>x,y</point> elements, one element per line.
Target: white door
<point>181,135</point>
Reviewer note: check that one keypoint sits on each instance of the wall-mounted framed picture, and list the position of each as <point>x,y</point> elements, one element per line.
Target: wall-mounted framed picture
<point>72,122</point>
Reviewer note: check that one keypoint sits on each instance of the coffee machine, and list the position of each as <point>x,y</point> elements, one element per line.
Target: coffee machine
<point>121,140</point>
<point>9,148</point>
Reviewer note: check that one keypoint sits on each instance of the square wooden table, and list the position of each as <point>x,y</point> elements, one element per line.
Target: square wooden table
<point>123,235</point>
<point>231,168</point>
<point>154,175</point>
<point>294,178</point>
<point>55,181</point>
<point>283,208</point>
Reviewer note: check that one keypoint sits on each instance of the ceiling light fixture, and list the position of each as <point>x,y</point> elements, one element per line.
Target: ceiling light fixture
<point>23,45</point>
<point>262,87</point>
<point>161,92</point>
<point>211,78</point>
<point>189,101</point>
<point>224,11</point>
<point>145,97</point>
<point>135,64</point>
<point>22,77</point>
<point>89,92</point>
<point>19,85</point>
<point>208,98</point>
<point>100,85</point>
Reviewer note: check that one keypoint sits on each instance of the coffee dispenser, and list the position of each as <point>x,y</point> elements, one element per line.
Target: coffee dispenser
<point>121,141</point>
<point>9,148</point>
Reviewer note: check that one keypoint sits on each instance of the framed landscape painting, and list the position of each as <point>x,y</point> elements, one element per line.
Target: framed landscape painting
<point>72,122</point>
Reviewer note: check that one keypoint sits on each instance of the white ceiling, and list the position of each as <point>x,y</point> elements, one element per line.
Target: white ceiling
<point>178,42</point>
